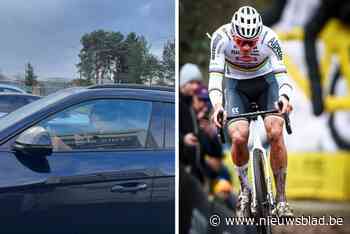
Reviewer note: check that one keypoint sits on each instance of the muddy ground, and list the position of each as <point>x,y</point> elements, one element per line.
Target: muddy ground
<point>338,210</point>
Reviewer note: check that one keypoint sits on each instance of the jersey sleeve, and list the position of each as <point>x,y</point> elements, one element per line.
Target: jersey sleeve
<point>216,67</point>
<point>217,55</point>
<point>278,67</point>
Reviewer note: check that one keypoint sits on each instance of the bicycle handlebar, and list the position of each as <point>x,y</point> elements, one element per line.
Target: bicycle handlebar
<point>252,115</point>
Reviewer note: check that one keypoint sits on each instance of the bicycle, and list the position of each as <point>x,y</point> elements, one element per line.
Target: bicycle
<point>263,201</point>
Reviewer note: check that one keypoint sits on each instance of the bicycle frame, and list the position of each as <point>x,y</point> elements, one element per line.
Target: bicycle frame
<point>258,145</point>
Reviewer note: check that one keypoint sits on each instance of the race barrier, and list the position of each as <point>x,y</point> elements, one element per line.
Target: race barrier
<point>322,176</point>
<point>319,176</point>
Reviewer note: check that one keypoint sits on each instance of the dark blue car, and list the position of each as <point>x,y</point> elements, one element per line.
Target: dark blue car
<point>90,160</point>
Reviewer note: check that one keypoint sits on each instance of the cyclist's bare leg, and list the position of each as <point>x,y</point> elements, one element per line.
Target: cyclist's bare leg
<point>278,154</point>
<point>239,133</point>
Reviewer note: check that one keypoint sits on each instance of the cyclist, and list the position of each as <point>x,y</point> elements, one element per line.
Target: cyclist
<point>249,56</point>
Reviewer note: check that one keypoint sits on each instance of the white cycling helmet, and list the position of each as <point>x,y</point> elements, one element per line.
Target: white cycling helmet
<point>246,22</point>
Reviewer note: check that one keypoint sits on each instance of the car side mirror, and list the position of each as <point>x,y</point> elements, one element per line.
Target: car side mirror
<point>35,141</point>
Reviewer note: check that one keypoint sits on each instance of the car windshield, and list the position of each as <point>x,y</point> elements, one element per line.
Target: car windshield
<point>33,107</point>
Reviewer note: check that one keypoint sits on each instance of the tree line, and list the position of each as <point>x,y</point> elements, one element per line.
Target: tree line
<point>108,55</point>
<point>111,56</point>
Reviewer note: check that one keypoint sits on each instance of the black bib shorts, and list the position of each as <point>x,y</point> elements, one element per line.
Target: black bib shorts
<point>239,94</point>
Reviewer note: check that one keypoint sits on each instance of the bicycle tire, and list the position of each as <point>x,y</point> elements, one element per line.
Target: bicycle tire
<point>263,206</point>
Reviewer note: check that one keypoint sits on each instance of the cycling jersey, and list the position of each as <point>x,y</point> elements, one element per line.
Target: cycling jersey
<point>227,61</point>
<point>225,56</point>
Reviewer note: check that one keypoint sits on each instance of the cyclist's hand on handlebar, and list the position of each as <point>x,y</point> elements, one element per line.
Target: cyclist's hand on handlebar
<point>284,105</point>
<point>215,117</point>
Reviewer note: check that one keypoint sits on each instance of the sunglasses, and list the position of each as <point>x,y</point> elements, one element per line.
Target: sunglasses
<point>242,42</point>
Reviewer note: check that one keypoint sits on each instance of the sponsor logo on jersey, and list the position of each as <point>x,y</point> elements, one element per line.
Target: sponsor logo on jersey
<point>276,48</point>
<point>246,58</point>
<point>236,52</point>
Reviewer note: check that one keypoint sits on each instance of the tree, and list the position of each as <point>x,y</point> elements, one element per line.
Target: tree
<point>101,56</point>
<point>139,59</point>
<point>153,69</point>
<point>30,77</point>
<point>168,63</point>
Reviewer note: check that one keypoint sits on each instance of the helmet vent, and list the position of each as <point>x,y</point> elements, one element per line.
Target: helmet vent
<point>237,29</point>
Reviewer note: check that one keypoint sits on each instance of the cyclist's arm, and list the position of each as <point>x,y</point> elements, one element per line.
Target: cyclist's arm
<point>216,69</point>
<point>276,57</point>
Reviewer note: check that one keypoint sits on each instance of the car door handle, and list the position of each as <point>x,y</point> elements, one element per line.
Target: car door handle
<point>125,188</point>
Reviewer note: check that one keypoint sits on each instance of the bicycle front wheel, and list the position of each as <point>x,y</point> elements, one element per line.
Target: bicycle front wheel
<point>263,209</point>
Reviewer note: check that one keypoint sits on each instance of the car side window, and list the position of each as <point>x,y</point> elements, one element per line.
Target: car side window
<point>169,125</point>
<point>155,138</point>
<point>100,124</point>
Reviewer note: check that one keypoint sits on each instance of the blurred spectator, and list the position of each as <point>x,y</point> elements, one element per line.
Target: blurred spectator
<point>190,80</point>
<point>211,157</point>
<point>328,9</point>
<point>208,140</point>
<point>223,193</point>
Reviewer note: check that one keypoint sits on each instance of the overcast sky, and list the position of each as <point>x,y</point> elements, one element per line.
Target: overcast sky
<point>47,32</point>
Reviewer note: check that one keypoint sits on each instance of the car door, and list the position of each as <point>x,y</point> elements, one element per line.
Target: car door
<point>99,176</point>
<point>163,194</point>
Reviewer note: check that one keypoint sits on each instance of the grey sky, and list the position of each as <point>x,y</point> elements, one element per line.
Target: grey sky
<point>47,32</point>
